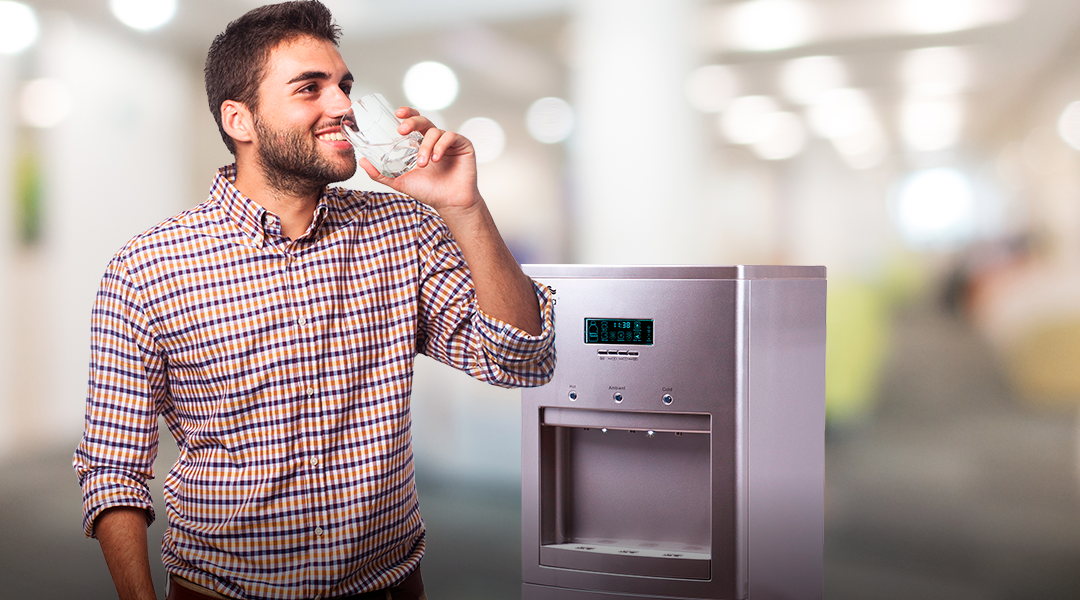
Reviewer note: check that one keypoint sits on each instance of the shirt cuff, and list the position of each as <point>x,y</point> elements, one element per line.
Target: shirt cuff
<point>111,488</point>
<point>514,346</point>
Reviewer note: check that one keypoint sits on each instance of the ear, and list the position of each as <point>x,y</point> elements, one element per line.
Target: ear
<point>237,121</point>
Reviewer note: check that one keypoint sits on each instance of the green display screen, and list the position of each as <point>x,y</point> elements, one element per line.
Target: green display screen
<point>637,332</point>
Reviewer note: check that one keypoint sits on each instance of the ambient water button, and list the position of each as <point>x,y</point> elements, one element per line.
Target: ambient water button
<point>668,399</point>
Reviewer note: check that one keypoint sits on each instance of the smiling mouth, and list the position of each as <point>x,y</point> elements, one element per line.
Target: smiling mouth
<point>333,136</point>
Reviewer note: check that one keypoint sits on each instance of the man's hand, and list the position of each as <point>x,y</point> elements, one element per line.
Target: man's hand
<point>445,173</point>
<point>445,179</point>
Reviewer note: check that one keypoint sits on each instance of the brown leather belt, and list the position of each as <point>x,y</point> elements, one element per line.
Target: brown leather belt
<point>411,588</point>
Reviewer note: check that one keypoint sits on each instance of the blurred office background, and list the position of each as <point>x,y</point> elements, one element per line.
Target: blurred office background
<point>926,151</point>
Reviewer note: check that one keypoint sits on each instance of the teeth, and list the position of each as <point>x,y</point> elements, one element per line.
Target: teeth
<point>335,137</point>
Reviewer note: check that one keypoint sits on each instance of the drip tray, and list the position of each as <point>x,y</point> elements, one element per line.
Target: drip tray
<point>625,557</point>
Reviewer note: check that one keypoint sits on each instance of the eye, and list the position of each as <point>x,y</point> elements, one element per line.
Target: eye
<point>347,88</point>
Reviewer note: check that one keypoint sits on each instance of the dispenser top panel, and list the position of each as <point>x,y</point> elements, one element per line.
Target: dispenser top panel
<point>675,271</point>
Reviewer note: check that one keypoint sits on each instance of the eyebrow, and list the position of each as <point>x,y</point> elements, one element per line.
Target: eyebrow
<point>318,75</point>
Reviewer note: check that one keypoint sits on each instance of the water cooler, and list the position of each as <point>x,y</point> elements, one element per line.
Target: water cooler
<point>678,452</point>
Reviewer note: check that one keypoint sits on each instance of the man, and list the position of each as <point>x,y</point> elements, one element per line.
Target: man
<point>274,327</point>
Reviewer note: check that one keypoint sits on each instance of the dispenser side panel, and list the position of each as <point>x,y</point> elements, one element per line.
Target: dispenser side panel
<point>786,438</point>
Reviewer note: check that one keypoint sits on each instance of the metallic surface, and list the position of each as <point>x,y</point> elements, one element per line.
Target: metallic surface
<point>691,468</point>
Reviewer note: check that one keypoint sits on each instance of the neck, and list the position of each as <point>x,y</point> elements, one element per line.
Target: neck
<point>292,201</point>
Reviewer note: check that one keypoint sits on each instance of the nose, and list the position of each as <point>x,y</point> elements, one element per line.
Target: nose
<point>339,104</point>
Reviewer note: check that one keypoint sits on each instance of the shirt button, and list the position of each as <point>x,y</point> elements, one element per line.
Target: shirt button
<point>311,391</point>
<point>314,461</point>
<point>318,597</point>
<point>318,531</point>
<point>301,321</point>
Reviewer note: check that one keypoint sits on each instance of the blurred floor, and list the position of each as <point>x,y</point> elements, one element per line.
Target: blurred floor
<point>953,490</point>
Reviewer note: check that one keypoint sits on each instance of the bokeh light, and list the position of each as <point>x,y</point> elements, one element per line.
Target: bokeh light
<point>45,103</point>
<point>935,208</point>
<point>550,120</point>
<point>430,85</point>
<point>711,87</point>
<point>804,80</point>
<point>931,124</point>
<point>18,27</point>
<point>747,119</point>
<point>784,137</point>
<point>1068,125</point>
<point>863,148</point>
<point>941,16</point>
<point>487,136</point>
<point>144,15</point>
<point>839,113</point>
<point>762,25</point>
<point>936,71</point>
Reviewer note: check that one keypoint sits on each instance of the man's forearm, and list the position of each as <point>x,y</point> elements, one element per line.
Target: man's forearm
<point>502,290</point>
<point>122,534</point>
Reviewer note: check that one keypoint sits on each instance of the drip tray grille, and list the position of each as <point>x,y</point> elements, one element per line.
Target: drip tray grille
<point>622,557</point>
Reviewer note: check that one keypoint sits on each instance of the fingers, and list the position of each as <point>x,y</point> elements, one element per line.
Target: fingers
<point>447,141</point>
<point>437,142</point>
<point>411,120</point>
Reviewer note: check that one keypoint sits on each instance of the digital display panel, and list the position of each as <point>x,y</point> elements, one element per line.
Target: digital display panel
<point>637,332</point>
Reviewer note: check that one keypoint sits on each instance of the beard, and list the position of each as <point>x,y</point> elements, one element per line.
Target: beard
<point>292,163</point>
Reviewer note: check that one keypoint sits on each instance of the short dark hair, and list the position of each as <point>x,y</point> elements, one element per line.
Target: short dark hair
<point>236,62</point>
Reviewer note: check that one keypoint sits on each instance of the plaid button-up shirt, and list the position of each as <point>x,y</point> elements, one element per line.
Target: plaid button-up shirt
<point>283,369</point>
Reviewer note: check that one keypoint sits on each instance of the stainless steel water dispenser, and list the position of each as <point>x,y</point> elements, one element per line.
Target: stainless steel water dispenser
<point>678,452</point>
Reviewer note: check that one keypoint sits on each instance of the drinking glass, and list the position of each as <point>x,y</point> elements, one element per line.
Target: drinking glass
<point>371,127</point>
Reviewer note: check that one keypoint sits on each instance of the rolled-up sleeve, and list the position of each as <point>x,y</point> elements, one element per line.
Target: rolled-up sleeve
<point>126,384</point>
<point>453,330</point>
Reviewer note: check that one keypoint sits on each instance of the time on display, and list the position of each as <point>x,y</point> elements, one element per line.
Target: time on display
<point>638,332</point>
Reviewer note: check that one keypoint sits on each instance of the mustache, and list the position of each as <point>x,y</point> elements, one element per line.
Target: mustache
<point>326,125</point>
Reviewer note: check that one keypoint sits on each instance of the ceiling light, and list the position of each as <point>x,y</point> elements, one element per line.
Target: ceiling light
<point>932,124</point>
<point>805,79</point>
<point>550,120</point>
<point>487,137</point>
<point>711,87</point>
<point>1068,125</point>
<point>840,113</point>
<point>747,119</point>
<point>935,208</point>
<point>430,86</point>
<point>936,71</point>
<point>761,25</point>
<point>18,27</point>
<point>144,15</point>
<point>864,148</point>
<point>783,137</point>
<point>45,103</point>
<point>940,16</point>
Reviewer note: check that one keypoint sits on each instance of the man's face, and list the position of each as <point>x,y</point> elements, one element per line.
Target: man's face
<point>298,139</point>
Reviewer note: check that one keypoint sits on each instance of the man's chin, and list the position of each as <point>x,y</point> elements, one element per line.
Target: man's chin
<point>345,176</point>
<point>345,166</point>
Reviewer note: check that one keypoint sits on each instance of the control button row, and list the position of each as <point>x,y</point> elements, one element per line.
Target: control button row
<point>618,397</point>
<point>617,353</point>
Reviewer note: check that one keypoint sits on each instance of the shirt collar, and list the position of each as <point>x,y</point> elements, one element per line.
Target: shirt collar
<point>253,220</point>
<point>241,210</point>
